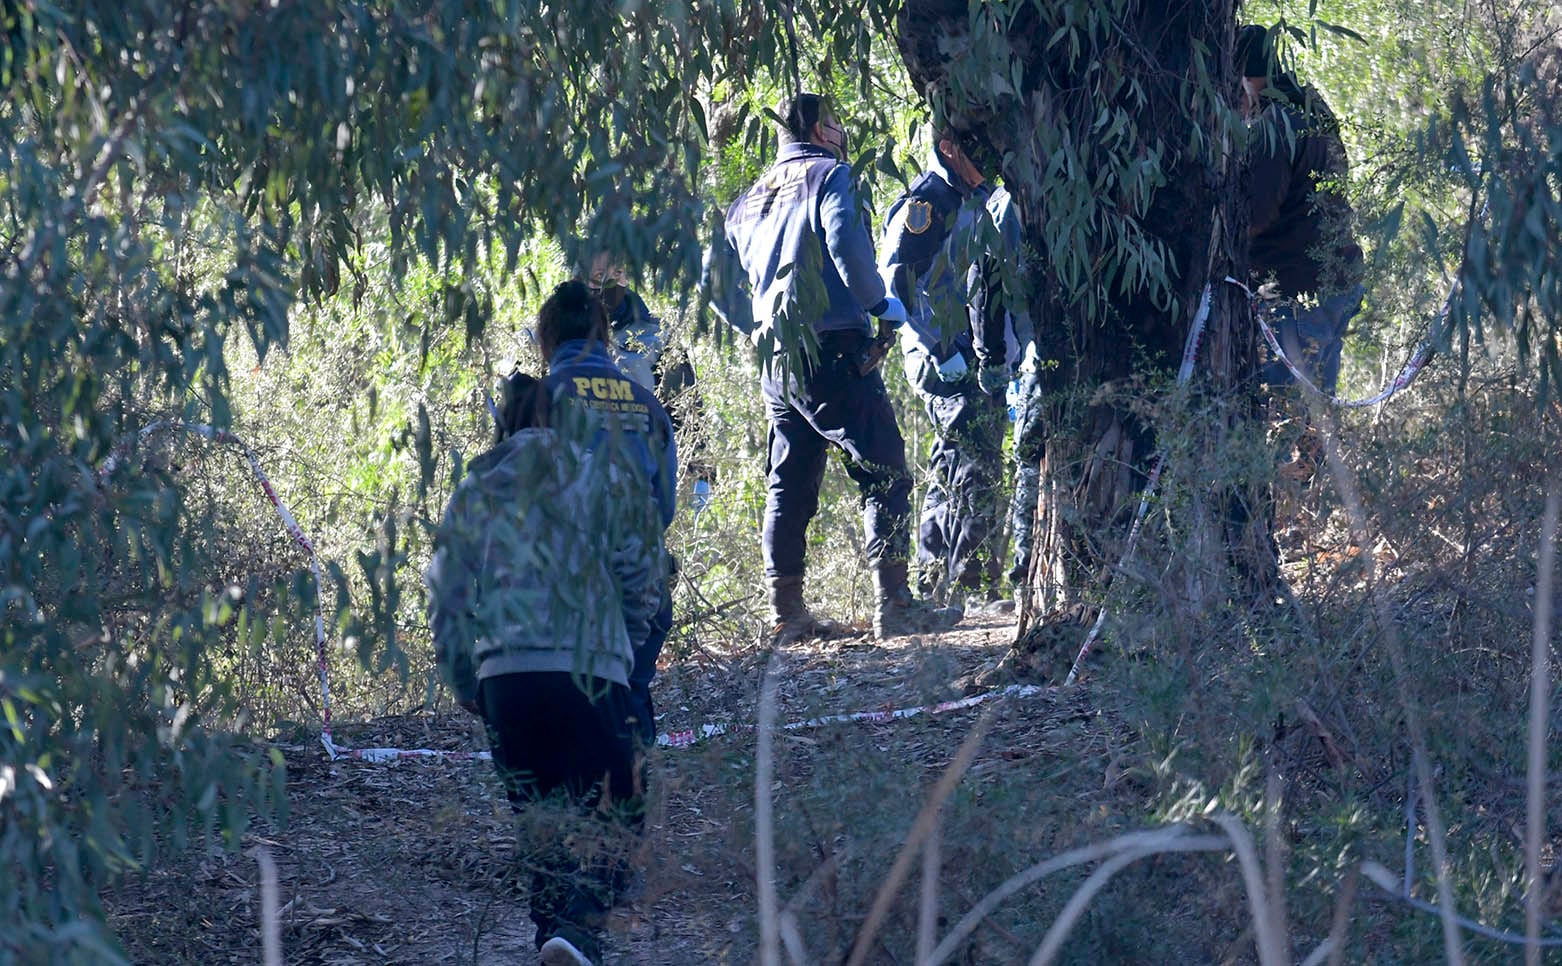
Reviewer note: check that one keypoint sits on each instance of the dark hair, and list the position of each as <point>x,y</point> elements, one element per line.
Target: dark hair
<point>571,312</point>
<point>1255,52</point>
<point>587,251</point>
<point>800,113</point>
<point>969,144</point>
<point>523,404</point>
<point>1256,56</point>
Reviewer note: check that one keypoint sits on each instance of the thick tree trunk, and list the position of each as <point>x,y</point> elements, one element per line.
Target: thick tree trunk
<point>1111,122</point>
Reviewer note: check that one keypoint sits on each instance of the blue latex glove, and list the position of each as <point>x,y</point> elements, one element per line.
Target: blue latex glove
<point>1013,398</point>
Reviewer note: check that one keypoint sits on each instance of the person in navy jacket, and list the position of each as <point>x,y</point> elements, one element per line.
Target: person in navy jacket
<point>793,269</point>
<point>939,256</point>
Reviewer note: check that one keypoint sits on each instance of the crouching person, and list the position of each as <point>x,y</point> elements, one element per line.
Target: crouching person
<point>543,575</point>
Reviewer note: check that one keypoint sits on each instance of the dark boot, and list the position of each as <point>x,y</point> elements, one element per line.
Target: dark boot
<point>896,612</point>
<point>790,618</point>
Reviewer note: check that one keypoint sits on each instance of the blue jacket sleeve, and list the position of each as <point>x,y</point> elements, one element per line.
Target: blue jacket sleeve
<point>725,284</point>
<point>851,249</point>
<point>1006,282</point>
<point>667,476</point>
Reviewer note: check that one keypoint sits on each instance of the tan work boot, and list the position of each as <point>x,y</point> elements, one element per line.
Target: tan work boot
<point>896,612</point>
<point>790,618</point>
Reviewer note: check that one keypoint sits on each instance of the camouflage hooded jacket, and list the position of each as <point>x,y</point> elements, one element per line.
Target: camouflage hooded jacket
<point>541,564</point>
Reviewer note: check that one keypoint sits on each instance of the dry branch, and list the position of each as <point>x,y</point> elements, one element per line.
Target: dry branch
<point>1539,713</point>
<point>925,822</point>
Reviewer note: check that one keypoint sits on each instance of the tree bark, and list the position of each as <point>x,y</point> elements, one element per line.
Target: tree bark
<point>1112,124</point>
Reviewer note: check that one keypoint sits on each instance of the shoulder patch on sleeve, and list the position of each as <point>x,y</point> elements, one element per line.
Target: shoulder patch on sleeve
<point>919,216</point>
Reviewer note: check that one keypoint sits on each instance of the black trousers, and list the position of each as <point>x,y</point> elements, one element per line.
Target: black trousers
<point>962,506</point>
<point>831,404</point>
<point>555,735</point>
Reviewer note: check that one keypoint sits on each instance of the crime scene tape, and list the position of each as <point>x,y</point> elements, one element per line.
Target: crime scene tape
<point>692,736</point>
<point>689,737</point>
<point>1190,352</point>
<point>675,739</point>
<point>1419,358</point>
<point>288,522</point>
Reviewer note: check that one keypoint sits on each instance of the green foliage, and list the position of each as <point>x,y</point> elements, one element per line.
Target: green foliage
<point>325,225</point>
<point>173,178</point>
<point>1506,140</point>
<point>366,180</point>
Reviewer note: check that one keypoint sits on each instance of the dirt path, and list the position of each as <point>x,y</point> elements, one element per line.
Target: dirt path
<point>406,862</point>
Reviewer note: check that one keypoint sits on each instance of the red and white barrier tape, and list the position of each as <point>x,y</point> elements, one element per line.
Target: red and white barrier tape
<point>382,755</point>
<point>1418,359</point>
<point>676,739</point>
<point>1190,352</point>
<point>692,736</point>
<point>294,531</point>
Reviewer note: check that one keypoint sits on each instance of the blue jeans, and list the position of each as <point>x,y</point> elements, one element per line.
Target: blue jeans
<point>1029,445</point>
<point>1312,338</point>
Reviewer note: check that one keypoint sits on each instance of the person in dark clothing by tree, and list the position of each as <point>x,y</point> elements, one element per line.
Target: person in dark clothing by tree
<point>794,268</point>
<point>1306,265</point>
<point>939,256</point>
<point>1305,261</point>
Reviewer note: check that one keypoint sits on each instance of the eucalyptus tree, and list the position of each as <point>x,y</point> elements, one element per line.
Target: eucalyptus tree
<point>1112,121</point>
<point>175,177</point>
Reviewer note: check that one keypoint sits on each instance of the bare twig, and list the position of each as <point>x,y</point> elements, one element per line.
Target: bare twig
<point>791,936</point>
<point>270,919</point>
<point>764,826</point>
<point>792,939</point>
<point>1326,949</point>
<point>825,868</point>
<point>1052,943</point>
<point>1269,933</point>
<point>1274,856</point>
<point>1410,830</point>
<point>1331,747</point>
<point>1350,495</point>
<point>1539,714</point>
<point>1384,879</point>
<point>927,913</point>
<point>1173,838</point>
<point>1335,944</point>
<point>920,830</point>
